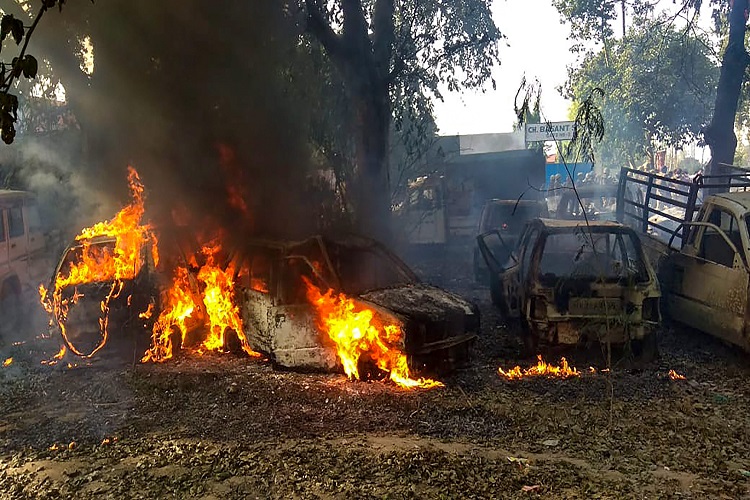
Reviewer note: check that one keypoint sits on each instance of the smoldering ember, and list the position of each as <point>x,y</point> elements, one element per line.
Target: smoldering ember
<point>308,249</point>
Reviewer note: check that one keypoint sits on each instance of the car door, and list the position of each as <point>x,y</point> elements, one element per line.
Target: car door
<point>257,289</point>
<point>40,263</point>
<point>503,275</point>
<point>17,241</point>
<point>709,287</point>
<point>295,339</point>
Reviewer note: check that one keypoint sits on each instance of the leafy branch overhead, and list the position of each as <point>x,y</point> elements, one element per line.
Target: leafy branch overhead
<point>24,65</point>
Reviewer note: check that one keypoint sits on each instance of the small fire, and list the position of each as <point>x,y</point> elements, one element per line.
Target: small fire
<point>57,357</point>
<point>259,285</point>
<point>221,313</point>
<point>8,362</point>
<point>98,264</point>
<point>676,376</point>
<point>541,369</point>
<point>359,333</point>
<point>148,312</point>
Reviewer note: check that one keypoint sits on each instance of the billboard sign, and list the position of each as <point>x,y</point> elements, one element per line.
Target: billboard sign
<point>551,131</point>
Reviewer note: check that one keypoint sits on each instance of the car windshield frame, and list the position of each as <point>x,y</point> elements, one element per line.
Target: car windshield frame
<point>346,280</point>
<point>637,269</point>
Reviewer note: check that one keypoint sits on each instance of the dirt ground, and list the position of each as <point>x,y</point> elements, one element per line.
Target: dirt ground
<point>224,427</point>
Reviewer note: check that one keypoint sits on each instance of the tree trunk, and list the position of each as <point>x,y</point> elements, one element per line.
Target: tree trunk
<point>373,118</point>
<point>719,134</point>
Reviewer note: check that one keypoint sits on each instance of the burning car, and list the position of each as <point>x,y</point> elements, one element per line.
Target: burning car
<point>567,282</point>
<point>95,284</point>
<point>367,301</point>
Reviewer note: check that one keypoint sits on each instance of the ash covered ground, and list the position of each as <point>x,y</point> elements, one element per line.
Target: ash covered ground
<point>226,427</point>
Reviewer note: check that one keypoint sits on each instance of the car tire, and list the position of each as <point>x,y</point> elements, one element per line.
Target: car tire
<point>175,338</point>
<point>529,340</point>
<point>645,350</point>
<point>496,294</point>
<point>232,342</point>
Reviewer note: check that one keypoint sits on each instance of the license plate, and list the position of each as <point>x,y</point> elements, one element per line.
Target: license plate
<point>595,306</point>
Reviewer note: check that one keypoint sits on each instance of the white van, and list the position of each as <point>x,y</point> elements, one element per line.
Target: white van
<point>24,259</point>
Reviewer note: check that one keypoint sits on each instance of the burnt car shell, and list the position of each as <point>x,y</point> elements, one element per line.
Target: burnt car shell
<point>82,322</point>
<point>439,327</point>
<point>432,318</point>
<point>566,293</point>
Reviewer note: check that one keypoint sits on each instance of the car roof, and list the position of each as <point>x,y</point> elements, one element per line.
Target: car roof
<point>514,202</point>
<point>742,198</point>
<point>565,224</point>
<point>588,190</point>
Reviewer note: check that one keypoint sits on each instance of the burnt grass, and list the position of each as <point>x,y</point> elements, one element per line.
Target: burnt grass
<point>227,427</point>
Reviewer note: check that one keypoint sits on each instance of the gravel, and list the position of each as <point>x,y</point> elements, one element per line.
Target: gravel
<point>219,426</point>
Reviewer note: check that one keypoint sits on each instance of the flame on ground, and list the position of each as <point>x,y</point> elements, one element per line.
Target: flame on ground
<point>217,311</point>
<point>99,264</point>
<point>676,376</point>
<point>57,357</point>
<point>359,333</point>
<point>541,369</point>
<point>8,362</point>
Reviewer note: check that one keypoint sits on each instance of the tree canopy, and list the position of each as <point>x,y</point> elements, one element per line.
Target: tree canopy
<point>388,51</point>
<point>658,88</point>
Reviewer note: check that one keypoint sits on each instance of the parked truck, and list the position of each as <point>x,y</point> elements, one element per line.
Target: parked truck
<point>24,258</point>
<point>697,233</point>
<point>444,206</point>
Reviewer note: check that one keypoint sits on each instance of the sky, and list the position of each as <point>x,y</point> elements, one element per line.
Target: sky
<point>536,45</point>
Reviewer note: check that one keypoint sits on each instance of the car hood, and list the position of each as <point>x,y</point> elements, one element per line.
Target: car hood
<point>420,301</point>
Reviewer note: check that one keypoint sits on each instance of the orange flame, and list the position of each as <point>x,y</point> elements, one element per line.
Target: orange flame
<point>8,362</point>
<point>98,264</point>
<point>359,332</point>
<point>179,307</point>
<point>222,313</point>
<point>676,376</point>
<point>148,312</point>
<point>541,369</point>
<point>57,357</point>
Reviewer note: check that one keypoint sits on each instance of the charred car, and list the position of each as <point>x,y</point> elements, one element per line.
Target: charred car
<point>567,282</point>
<point>279,320</point>
<point>86,296</point>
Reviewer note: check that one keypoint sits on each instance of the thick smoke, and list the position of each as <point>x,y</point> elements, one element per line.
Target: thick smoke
<point>195,95</point>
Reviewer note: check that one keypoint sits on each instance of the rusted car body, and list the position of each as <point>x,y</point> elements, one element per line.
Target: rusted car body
<point>567,282</point>
<point>279,320</point>
<point>700,239</point>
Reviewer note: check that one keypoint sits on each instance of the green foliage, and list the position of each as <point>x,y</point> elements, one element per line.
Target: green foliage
<point>658,86</point>
<point>391,57</point>
<point>589,19</point>
<point>24,65</point>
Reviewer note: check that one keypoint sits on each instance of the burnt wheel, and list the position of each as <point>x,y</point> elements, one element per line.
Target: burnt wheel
<point>645,350</point>
<point>496,294</point>
<point>530,341</point>
<point>175,338</point>
<point>232,342</point>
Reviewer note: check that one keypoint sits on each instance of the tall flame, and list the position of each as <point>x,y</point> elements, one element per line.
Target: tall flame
<point>358,332</point>
<point>99,264</point>
<point>541,369</point>
<point>178,307</point>
<point>217,286</point>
